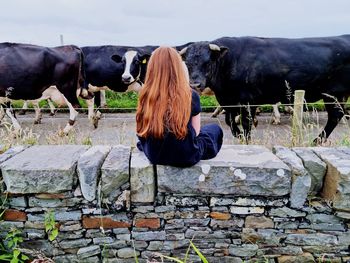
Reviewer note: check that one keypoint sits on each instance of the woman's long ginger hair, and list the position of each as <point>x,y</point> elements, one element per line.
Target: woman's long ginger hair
<point>165,99</point>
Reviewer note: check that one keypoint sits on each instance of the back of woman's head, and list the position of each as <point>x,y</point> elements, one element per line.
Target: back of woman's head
<point>165,99</point>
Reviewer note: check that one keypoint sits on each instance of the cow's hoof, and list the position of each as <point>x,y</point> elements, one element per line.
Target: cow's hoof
<point>37,122</point>
<point>21,112</point>
<point>96,118</point>
<point>52,114</point>
<point>276,121</point>
<point>319,141</point>
<point>95,122</point>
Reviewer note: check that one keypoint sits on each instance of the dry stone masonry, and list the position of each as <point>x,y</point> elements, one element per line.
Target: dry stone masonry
<point>249,204</point>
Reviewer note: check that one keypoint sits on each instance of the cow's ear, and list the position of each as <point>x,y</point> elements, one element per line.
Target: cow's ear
<point>223,51</point>
<point>144,58</point>
<point>216,51</point>
<point>116,58</point>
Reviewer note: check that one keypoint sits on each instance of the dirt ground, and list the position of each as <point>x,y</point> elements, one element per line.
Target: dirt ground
<point>119,128</point>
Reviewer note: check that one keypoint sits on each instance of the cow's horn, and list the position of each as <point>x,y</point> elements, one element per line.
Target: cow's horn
<point>214,47</point>
<point>183,51</point>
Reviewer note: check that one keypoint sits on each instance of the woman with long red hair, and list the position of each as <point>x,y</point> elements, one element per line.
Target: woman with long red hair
<point>168,115</point>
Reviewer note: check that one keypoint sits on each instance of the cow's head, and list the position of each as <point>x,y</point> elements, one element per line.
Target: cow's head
<point>203,61</point>
<point>134,64</point>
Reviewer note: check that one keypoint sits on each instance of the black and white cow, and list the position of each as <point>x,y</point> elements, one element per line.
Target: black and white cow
<point>249,71</point>
<point>26,71</point>
<point>122,74</point>
<point>134,64</point>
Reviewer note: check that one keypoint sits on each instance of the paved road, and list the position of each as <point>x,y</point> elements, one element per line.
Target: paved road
<point>119,128</point>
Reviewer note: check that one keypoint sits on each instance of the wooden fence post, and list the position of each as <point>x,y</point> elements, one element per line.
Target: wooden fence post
<point>297,123</point>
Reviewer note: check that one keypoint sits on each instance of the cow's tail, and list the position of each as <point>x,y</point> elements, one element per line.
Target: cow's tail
<point>82,83</point>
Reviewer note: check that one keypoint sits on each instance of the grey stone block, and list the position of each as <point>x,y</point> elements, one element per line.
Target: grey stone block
<point>103,240</point>
<point>300,189</point>
<point>315,167</point>
<point>301,180</point>
<point>237,170</point>
<point>51,203</point>
<point>66,259</point>
<point>90,251</point>
<point>270,237</point>
<point>243,201</point>
<point>246,250</point>
<point>287,250</point>
<point>155,245</point>
<point>70,235</point>
<point>286,212</point>
<point>142,178</point>
<point>127,252</point>
<point>185,201</point>
<point>149,235</point>
<point>336,184</point>
<point>89,170</point>
<point>42,169</point>
<point>6,226</point>
<point>344,238</point>
<point>60,215</point>
<point>17,201</point>
<point>311,239</point>
<point>77,243</point>
<point>115,171</point>
<point>35,233</point>
<point>12,152</point>
<point>44,246</point>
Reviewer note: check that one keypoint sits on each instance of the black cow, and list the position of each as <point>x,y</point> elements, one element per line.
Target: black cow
<point>251,71</point>
<point>26,71</point>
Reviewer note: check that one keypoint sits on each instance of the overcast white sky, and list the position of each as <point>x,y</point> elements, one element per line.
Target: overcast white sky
<point>166,22</point>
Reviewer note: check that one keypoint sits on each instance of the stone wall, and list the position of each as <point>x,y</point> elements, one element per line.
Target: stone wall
<point>249,204</point>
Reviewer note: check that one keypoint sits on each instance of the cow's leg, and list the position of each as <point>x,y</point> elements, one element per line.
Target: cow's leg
<point>52,107</point>
<point>230,119</point>
<point>24,108</point>
<point>97,99</point>
<point>276,114</point>
<point>38,114</point>
<point>72,116</point>
<point>11,114</point>
<point>103,101</point>
<point>2,113</point>
<point>248,116</point>
<point>288,109</point>
<point>216,112</point>
<point>335,114</point>
<point>93,117</point>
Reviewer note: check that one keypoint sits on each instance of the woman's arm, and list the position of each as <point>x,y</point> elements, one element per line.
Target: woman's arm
<point>196,123</point>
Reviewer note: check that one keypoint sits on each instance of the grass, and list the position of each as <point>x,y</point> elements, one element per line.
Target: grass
<point>127,102</point>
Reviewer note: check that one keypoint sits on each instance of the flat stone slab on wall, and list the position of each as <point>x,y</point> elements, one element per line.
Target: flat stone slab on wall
<point>12,152</point>
<point>337,180</point>
<point>42,169</point>
<point>142,179</point>
<point>89,170</point>
<point>115,171</point>
<point>241,170</point>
